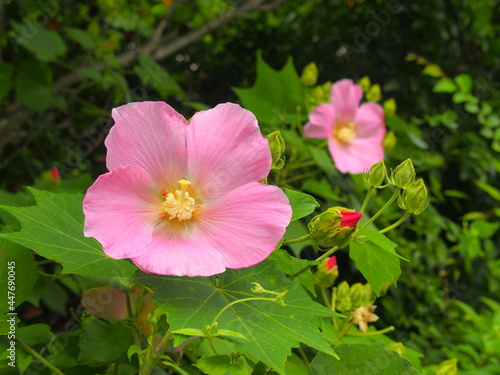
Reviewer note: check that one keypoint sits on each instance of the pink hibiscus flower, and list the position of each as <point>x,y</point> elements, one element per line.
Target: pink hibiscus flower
<point>185,198</point>
<point>354,132</point>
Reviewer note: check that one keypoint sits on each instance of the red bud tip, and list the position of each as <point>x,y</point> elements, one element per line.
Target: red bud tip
<point>331,263</point>
<point>54,173</point>
<point>350,219</point>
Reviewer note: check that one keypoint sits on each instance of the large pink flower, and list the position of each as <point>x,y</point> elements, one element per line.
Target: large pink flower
<point>354,132</point>
<point>185,198</point>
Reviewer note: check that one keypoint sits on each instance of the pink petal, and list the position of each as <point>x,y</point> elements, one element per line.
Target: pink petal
<point>171,255</point>
<point>369,121</point>
<point>357,156</point>
<point>345,97</point>
<point>121,211</point>
<point>225,150</point>
<point>321,121</point>
<point>246,224</point>
<point>149,135</point>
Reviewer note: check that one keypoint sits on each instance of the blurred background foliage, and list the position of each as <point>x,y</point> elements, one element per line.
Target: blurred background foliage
<point>434,65</point>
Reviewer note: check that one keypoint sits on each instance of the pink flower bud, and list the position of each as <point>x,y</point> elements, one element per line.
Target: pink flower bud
<point>54,173</point>
<point>350,219</point>
<point>331,263</point>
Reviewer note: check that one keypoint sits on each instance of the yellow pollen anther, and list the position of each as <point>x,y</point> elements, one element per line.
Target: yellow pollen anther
<point>345,133</point>
<point>179,204</point>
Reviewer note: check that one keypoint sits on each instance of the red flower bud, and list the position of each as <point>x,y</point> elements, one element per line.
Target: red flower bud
<point>350,219</point>
<point>331,263</point>
<point>54,173</point>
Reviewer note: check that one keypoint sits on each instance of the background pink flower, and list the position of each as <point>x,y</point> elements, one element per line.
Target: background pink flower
<point>185,198</point>
<point>354,132</point>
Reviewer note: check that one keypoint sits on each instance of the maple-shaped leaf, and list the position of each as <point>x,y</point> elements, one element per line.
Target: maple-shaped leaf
<point>276,95</point>
<point>54,229</point>
<point>271,329</point>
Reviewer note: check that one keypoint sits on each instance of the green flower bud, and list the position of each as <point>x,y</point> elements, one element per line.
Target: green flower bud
<point>374,94</point>
<point>277,146</point>
<point>342,297</point>
<point>403,175</point>
<point>327,272</point>
<point>309,75</point>
<point>365,83</point>
<point>416,197</point>
<point>389,107</point>
<point>376,175</point>
<point>361,295</point>
<point>389,142</point>
<point>334,227</point>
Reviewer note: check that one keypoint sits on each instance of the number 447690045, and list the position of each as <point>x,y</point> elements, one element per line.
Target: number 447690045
<point>11,284</point>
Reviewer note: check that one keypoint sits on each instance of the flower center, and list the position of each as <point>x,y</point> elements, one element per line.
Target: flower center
<point>345,133</point>
<point>179,204</point>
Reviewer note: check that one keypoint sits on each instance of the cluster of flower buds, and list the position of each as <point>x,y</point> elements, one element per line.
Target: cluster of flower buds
<point>334,227</point>
<point>277,146</point>
<point>414,198</point>
<point>327,272</point>
<point>349,298</point>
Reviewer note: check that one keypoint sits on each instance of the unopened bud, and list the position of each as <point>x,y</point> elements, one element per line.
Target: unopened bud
<point>416,197</point>
<point>327,272</point>
<point>403,175</point>
<point>334,227</point>
<point>309,75</point>
<point>389,142</point>
<point>374,94</point>
<point>376,175</point>
<point>365,83</point>
<point>277,146</point>
<point>50,180</point>
<point>389,107</point>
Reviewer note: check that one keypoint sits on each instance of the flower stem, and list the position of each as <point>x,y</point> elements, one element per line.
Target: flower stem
<point>344,331</point>
<point>297,240</point>
<point>42,360</point>
<point>389,202</point>
<point>397,223</point>
<point>367,198</point>
<point>381,332</point>
<point>320,259</point>
<point>156,354</point>
<point>239,301</point>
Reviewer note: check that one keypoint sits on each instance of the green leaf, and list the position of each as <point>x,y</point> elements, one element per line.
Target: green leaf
<point>382,241</point>
<point>46,45</point>
<point>302,204</point>
<point>152,74</point>
<point>54,229</point>
<point>101,342</point>
<point>189,332</point>
<point>81,37</point>
<point>290,265</point>
<point>18,263</point>
<point>362,359</point>
<point>324,160</point>
<point>227,332</point>
<point>222,365</point>
<point>6,82</point>
<point>464,82</point>
<point>272,329</point>
<point>376,259</point>
<point>490,190</point>
<point>484,229</point>
<point>34,84</point>
<point>445,85</point>
<point>433,70</point>
<point>276,95</point>
<point>34,334</point>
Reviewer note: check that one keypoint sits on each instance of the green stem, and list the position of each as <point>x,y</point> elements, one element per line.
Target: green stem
<point>325,298</point>
<point>301,176</point>
<point>42,360</point>
<point>320,259</point>
<point>389,202</point>
<point>397,223</point>
<point>239,301</point>
<point>367,198</point>
<point>211,343</point>
<point>156,354</point>
<point>343,333</point>
<point>297,240</point>
<point>381,332</point>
